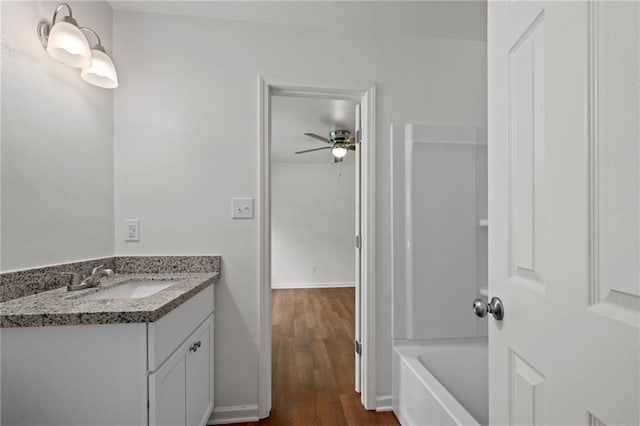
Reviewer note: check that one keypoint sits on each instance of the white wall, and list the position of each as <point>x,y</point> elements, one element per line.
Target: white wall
<point>312,224</point>
<point>186,142</point>
<point>57,145</point>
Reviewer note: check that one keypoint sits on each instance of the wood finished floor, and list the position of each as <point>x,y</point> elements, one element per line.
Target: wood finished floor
<point>312,363</point>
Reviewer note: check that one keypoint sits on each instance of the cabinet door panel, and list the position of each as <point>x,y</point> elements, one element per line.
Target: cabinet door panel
<point>167,392</point>
<point>199,375</point>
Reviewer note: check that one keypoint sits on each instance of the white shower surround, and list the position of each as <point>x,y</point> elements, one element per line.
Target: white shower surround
<point>439,266</point>
<point>436,230</point>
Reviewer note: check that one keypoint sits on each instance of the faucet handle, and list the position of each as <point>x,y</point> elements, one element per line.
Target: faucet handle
<point>75,277</point>
<point>96,269</point>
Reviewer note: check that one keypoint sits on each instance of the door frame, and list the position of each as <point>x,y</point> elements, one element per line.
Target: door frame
<point>350,90</point>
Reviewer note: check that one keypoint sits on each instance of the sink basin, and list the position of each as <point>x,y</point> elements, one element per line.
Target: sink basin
<point>130,290</point>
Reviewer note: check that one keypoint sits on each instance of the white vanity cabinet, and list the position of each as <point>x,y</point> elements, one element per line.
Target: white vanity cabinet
<point>140,374</point>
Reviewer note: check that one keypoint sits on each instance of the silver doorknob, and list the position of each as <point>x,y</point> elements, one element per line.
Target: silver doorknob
<point>494,307</point>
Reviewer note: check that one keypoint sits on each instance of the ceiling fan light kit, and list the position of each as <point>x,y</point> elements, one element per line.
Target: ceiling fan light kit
<point>341,142</point>
<point>339,150</point>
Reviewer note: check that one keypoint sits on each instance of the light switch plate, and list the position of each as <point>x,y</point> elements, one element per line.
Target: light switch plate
<point>242,208</point>
<point>132,230</point>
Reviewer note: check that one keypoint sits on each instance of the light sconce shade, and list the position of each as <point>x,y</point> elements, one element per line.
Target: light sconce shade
<point>339,150</point>
<point>101,72</point>
<point>64,41</point>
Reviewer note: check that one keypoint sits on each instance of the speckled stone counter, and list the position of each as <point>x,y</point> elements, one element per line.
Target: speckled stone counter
<point>62,307</point>
<point>21,283</point>
<point>35,280</point>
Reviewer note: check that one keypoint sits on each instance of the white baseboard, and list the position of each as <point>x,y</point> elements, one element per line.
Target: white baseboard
<point>284,286</point>
<point>384,403</point>
<point>234,414</point>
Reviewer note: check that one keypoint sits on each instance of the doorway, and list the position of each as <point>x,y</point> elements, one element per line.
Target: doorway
<point>313,197</point>
<point>364,96</point>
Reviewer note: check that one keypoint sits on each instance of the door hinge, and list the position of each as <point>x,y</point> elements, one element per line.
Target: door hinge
<point>358,348</point>
<point>358,241</point>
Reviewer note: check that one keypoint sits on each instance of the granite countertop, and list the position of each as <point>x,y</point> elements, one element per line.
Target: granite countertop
<point>62,307</point>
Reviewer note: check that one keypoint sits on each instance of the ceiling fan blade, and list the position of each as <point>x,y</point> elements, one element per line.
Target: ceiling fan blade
<point>320,138</point>
<point>311,150</point>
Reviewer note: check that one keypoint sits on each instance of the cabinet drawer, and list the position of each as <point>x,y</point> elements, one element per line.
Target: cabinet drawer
<point>166,334</point>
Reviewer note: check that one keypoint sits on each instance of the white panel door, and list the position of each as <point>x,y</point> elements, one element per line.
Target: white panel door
<point>564,192</point>
<point>358,235</point>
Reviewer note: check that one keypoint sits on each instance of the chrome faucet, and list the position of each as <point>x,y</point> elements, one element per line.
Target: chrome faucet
<point>90,281</point>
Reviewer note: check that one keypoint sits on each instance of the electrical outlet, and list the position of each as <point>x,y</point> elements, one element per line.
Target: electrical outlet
<point>242,208</point>
<point>132,230</point>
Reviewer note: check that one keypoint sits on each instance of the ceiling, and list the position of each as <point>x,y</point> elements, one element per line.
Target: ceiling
<point>465,20</point>
<point>292,117</point>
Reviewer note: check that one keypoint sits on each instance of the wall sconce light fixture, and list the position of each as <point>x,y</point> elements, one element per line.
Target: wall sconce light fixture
<point>64,40</point>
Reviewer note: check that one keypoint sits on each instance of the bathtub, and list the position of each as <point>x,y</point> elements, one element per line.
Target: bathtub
<point>437,384</point>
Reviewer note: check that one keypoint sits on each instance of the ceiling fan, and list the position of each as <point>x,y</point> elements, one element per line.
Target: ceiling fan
<point>341,142</point>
